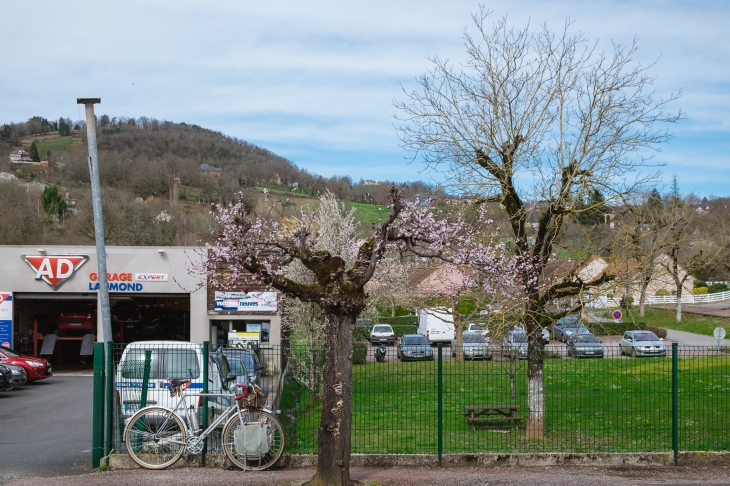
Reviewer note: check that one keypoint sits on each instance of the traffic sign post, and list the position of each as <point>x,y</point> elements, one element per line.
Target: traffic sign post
<point>719,334</point>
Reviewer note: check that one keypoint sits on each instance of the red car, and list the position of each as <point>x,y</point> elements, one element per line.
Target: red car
<point>36,368</point>
<point>77,318</point>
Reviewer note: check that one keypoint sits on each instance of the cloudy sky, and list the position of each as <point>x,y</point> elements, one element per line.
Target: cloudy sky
<point>314,81</point>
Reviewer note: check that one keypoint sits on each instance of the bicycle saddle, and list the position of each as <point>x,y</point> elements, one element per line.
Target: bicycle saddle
<point>178,381</point>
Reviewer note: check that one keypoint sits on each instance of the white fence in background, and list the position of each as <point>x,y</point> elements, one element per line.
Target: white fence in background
<point>602,302</point>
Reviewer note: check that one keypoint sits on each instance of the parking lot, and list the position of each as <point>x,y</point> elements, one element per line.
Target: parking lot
<point>46,428</point>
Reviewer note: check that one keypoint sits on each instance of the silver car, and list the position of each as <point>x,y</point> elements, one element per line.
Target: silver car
<point>641,343</point>
<point>20,377</point>
<point>515,344</point>
<point>474,346</point>
<point>584,346</point>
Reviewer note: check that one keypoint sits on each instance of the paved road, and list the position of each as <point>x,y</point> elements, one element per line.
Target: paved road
<point>45,428</point>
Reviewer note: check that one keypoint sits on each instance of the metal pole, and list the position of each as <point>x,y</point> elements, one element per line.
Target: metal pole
<point>106,318</point>
<point>204,418</point>
<point>440,404</point>
<point>675,403</point>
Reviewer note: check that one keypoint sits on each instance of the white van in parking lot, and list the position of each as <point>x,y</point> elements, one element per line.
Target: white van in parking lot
<point>437,324</point>
<point>169,359</point>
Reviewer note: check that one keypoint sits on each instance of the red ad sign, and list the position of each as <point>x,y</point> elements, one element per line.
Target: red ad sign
<point>54,270</point>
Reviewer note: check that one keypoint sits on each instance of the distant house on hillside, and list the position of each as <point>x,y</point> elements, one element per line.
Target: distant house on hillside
<point>371,182</point>
<point>20,157</point>
<point>210,171</point>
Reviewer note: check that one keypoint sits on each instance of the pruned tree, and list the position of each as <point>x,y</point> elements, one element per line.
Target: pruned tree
<point>531,120</point>
<point>266,247</point>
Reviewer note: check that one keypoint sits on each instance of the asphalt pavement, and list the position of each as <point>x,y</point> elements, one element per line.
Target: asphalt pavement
<point>45,428</point>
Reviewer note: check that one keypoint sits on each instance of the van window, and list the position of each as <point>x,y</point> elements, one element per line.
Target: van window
<point>165,363</point>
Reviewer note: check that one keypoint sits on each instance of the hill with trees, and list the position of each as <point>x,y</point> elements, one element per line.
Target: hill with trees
<point>159,180</point>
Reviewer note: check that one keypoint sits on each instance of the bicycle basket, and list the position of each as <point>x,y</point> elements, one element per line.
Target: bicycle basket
<point>255,398</point>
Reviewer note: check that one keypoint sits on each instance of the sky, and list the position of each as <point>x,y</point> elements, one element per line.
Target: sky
<point>315,81</point>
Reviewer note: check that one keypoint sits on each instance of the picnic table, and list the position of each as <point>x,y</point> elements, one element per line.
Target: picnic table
<point>485,415</point>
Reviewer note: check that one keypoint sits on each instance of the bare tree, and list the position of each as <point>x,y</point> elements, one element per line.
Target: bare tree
<point>531,120</point>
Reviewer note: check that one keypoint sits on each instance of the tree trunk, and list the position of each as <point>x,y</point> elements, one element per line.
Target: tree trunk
<point>642,298</point>
<point>459,332</point>
<point>535,392</point>
<point>678,316</point>
<point>535,381</point>
<point>333,462</point>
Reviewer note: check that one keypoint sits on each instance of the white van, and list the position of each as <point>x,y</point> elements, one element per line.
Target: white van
<point>169,359</point>
<point>437,324</point>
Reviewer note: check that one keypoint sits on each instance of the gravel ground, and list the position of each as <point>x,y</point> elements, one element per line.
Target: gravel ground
<point>557,476</point>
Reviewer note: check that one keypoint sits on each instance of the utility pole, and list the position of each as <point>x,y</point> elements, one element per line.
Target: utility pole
<point>106,315</point>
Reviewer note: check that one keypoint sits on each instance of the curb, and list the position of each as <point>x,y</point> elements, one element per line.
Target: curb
<point>299,461</point>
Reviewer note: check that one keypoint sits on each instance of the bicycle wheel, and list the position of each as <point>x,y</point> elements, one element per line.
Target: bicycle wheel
<point>155,438</point>
<point>257,443</point>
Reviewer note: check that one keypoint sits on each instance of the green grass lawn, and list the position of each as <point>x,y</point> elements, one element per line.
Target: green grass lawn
<point>368,213</point>
<point>694,323</point>
<point>609,405</point>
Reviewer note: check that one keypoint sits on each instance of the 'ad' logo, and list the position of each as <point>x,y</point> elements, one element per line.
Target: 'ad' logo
<point>55,270</point>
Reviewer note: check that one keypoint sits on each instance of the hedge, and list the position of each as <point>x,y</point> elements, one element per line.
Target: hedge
<point>613,328</point>
<point>397,321</point>
<point>363,333</point>
<point>359,352</point>
<point>659,331</point>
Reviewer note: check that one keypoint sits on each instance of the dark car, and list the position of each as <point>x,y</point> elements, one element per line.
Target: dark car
<point>414,347</point>
<point>36,368</point>
<point>6,379</point>
<point>78,317</point>
<point>584,346</point>
<point>20,377</point>
<point>243,362</point>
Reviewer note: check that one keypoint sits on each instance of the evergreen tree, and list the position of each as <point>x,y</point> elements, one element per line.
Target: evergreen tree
<point>63,129</point>
<point>53,202</point>
<point>591,210</point>
<point>34,152</point>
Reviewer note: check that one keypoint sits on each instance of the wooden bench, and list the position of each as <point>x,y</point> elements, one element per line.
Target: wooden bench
<point>486,415</point>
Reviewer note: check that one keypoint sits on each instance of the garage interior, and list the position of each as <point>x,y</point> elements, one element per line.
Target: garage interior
<point>139,317</point>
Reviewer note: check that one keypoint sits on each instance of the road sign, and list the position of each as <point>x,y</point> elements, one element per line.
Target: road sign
<point>617,315</point>
<point>719,333</point>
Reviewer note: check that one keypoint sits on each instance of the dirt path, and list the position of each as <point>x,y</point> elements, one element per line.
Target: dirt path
<point>461,476</point>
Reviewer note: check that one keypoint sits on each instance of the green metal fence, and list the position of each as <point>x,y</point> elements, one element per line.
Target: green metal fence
<point>439,404</point>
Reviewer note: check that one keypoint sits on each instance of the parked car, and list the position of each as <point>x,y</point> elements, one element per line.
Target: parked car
<point>36,368</point>
<point>515,344</point>
<point>436,324</point>
<point>20,377</point>
<point>382,333</point>
<point>566,326</point>
<point>243,362</point>
<point>478,329</point>
<point>641,343</point>
<point>414,347</point>
<point>474,345</point>
<point>6,379</point>
<point>168,360</point>
<point>545,335</point>
<point>584,346</point>
<point>78,317</point>
<point>364,322</point>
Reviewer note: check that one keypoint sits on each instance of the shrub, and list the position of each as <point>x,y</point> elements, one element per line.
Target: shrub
<point>626,301</point>
<point>662,293</point>
<point>699,283</point>
<point>397,321</point>
<point>659,331</point>
<point>359,352</point>
<point>718,287</point>
<point>699,290</point>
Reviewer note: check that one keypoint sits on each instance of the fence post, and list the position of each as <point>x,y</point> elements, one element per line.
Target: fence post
<point>204,418</point>
<point>675,411</point>
<point>97,447</point>
<point>440,403</point>
<point>145,377</point>
<point>109,398</point>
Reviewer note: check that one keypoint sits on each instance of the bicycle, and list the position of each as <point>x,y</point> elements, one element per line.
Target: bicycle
<point>253,439</point>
